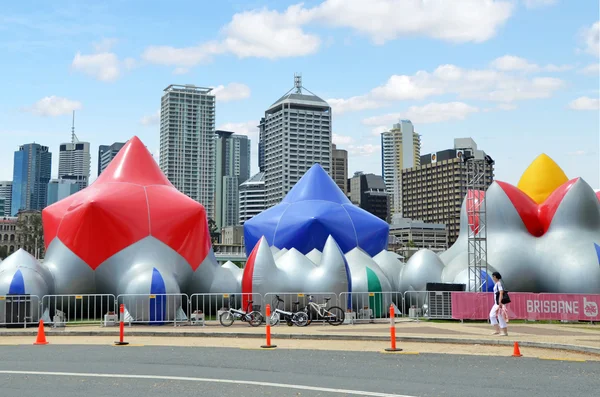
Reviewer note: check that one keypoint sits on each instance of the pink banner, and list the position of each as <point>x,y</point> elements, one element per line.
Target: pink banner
<point>528,306</point>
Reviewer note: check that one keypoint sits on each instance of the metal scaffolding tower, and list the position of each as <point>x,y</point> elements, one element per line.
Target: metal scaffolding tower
<point>477,219</point>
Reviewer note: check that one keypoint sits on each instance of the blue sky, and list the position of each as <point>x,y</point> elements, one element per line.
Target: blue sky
<point>519,76</point>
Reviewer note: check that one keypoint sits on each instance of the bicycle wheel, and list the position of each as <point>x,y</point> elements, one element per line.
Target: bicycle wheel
<point>226,319</point>
<point>301,319</point>
<point>309,313</point>
<point>335,315</point>
<point>275,319</point>
<point>255,318</point>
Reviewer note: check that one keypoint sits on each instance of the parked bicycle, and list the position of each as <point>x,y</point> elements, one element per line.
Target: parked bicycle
<point>334,315</point>
<point>253,317</point>
<point>300,318</point>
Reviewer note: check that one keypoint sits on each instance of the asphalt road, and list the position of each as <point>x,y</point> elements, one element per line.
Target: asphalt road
<point>150,371</point>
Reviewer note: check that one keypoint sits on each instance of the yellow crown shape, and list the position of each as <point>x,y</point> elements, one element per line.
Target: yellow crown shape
<point>541,178</point>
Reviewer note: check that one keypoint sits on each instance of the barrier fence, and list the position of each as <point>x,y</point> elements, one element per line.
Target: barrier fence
<point>199,309</point>
<point>528,306</point>
<point>19,310</point>
<point>86,309</point>
<point>208,307</point>
<point>155,309</point>
<point>370,306</point>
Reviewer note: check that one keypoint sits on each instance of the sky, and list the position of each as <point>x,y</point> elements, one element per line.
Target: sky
<point>521,77</point>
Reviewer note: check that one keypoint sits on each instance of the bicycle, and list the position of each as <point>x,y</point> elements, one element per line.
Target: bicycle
<point>300,318</point>
<point>254,317</point>
<point>334,315</point>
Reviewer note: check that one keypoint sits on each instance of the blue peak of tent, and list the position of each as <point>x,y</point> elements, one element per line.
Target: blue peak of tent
<point>316,184</point>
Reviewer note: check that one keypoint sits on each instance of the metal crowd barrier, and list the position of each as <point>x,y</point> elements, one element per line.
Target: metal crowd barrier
<point>370,306</point>
<point>206,308</point>
<point>155,309</point>
<point>19,310</point>
<point>289,298</point>
<point>86,309</point>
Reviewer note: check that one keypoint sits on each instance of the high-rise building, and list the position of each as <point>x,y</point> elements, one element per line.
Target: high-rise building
<point>369,193</point>
<point>400,149</point>
<point>339,167</point>
<point>233,168</point>
<point>74,160</point>
<point>252,197</point>
<point>6,194</point>
<point>261,145</point>
<point>59,189</point>
<point>31,174</point>
<point>187,142</point>
<point>106,153</point>
<point>434,191</point>
<point>296,134</point>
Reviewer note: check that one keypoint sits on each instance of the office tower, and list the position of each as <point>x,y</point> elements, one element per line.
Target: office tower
<point>6,194</point>
<point>339,167</point>
<point>369,193</point>
<point>106,153</point>
<point>74,160</point>
<point>434,191</point>
<point>252,197</point>
<point>296,134</point>
<point>187,142</point>
<point>233,168</point>
<point>261,145</point>
<point>400,149</point>
<point>59,189</point>
<point>31,174</point>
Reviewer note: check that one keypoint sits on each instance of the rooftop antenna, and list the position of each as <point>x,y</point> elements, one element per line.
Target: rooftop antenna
<point>298,83</point>
<point>73,136</point>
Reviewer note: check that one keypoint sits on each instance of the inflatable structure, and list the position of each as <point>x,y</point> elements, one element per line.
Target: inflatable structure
<point>316,240</point>
<point>543,235</point>
<point>133,232</point>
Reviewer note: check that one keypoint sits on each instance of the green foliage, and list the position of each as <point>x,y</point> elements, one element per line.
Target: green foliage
<point>30,233</point>
<point>213,230</point>
<point>3,252</point>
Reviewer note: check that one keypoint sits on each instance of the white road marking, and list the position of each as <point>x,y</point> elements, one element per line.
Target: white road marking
<point>207,380</point>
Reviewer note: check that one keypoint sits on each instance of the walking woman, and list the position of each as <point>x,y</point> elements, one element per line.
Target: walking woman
<point>497,312</point>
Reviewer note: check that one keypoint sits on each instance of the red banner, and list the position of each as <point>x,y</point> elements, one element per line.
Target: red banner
<point>528,306</point>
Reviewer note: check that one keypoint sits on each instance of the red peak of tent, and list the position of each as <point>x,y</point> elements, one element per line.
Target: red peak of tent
<point>134,164</point>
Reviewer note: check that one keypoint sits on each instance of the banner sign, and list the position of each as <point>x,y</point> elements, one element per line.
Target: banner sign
<point>528,306</point>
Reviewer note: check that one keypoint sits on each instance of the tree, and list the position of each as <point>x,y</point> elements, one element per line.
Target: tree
<point>3,252</point>
<point>213,230</point>
<point>30,232</point>
<point>411,244</point>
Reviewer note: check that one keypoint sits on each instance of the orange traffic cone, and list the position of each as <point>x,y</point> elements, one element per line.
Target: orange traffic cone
<point>517,351</point>
<point>41,336</point>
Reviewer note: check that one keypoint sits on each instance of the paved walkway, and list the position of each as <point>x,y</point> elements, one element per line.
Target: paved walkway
<point>574,337</point>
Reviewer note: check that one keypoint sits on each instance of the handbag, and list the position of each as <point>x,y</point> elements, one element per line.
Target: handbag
<point>505,297</point>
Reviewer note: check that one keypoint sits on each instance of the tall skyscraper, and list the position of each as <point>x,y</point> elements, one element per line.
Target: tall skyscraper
<point>296,133</point>
<point>369,193</point>
<point>31,174</point>
<point>434,191</point>
<point>252,197</point>
<point>6,194</point>
<point>187,142</point>
<point>400,149</point>
<point>106,153</point>
<point>233,168</point>
<point>339,167</point>
<point>74,160</point>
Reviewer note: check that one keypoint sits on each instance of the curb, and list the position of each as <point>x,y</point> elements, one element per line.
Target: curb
<point>243,335</point>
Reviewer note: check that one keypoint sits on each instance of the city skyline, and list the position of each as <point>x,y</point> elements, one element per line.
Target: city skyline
<point>497,81</point>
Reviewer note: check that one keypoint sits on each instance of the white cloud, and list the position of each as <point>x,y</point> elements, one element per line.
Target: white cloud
<point>585,103</point>
<point>593,69</point>
<point>105,45</point>
<point>231,92</point>
<point>104,66</point>
<point>151,119</point>
<point>539,3</point>
<point>430,113</point>
<point>342,139</point>
<point>484,84</point>
<point>377,131</point>
<point>53,106</point>
<point>363,150</point>
<point>591,39</point>
<point>506,106</point>
<point>508,63</point>
<point>272,34</point>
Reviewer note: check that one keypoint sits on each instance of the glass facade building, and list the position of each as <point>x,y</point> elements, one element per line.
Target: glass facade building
<point>31,174</point>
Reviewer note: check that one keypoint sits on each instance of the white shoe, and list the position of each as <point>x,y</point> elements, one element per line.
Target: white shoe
<point>496,333</point>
